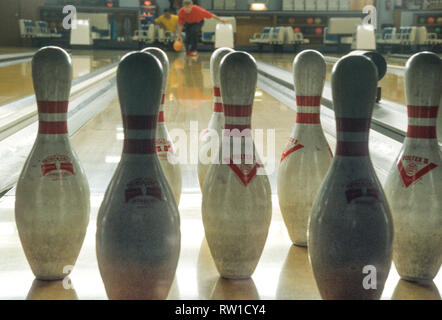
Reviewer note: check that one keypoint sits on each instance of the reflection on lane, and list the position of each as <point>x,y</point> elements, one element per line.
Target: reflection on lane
<point>392,84</point>
<point>52,290</point>
<point>16,81</point>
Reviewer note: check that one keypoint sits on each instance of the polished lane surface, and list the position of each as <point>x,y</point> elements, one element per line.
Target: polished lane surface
<point>392,84</point>
<point>16,81</point>
<point>283,271</point>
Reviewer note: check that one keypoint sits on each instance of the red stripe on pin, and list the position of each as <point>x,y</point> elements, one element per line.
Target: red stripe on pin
<point>139,122</point>
<point>311,118</point>
<point>139,146</point>
<point>352,124</point>
<point>216,92</point>
<point>308,101</point>
<point>52,106</point>
<point>163,97</point>
<point>161,116</point>
<point>422,111</point>
<point>218,107</point>
<point>233,110</point>
<point>52,127</point>
<point>285,154</point>
<point>421,132</point>
<point>352,148</point>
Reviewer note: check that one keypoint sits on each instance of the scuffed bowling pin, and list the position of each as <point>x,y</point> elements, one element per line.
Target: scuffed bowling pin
<point>163,141</point>
<point>237,205</point>
<point>216,123</point>
<point>307,156</point>
<point>138,224</point>
<point>350,228</point>
<point>414,184</point>
<point>52,197</point>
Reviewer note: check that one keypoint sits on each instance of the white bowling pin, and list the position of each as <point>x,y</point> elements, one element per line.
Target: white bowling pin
<point>307,156</point>
<point>414,183</point>
<point>138,224</point>
<point>216,123</point>
<point>163,142</point>
<point>52,196</point>
<point>350,227</point>
<point>237,205</point>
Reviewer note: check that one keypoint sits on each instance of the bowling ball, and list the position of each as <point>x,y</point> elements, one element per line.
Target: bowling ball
<point>292,20</point>
<point>430,20</point>
<point>318,31</point>
<point>318,20</point>
<point>438,30</point>
<point>439,20</point>
<point>309,20</point>
<point>297,30</point>
<point>178,45</point>
<point>421,20</point>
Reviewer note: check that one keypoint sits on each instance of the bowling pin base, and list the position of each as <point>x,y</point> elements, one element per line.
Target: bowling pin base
<point>416,280</point>
<point>300,244</point>
<point>234,277</point>
<point>417,247</point>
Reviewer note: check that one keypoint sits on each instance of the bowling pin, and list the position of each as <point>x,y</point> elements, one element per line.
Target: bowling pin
<point>163,142</point>
<point>216,123</point>
<point>237,205</point>
<point>307,156</point>
<point>138,224</point>
<point>52,196</point>
<point>350,227</point>
<point>414,183</point>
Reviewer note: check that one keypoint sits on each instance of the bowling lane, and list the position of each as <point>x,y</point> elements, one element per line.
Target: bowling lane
<point>14,50</point>
<point>16,82</point>
<point>392,84</point>
<point>283,271</point>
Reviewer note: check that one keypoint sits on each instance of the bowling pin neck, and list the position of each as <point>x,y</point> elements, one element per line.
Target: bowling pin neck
<point>139,134</point>
<point>422,122</point>
<point>352,137</point>
<point>354,85</point>
<point>161,110</point>
<point>52,118</point>
<point>139,79</point>
<point>307,114</point>
<point>217,101</point>
<point>238,76</point>
<point>423,82</point>
<point>237,116</point>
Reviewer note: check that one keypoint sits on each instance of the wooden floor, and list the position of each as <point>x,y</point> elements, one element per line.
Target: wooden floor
<point>283,271</point>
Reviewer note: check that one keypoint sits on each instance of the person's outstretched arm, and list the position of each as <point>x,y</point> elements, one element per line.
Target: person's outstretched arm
<point>180,29</point>
<point>219,19</point>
